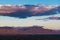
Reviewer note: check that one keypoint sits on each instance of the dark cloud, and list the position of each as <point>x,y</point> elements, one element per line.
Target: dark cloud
<point>31,10</point>
<point>54,18</point>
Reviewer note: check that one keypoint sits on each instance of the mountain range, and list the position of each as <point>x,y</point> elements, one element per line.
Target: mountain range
<point>32,30</point>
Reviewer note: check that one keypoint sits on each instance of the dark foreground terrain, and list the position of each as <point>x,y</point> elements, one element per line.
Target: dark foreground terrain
<point>30,37</point>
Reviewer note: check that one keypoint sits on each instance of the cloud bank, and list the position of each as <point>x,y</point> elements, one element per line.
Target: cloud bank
<point>24,11</point>
<point>30,15</point>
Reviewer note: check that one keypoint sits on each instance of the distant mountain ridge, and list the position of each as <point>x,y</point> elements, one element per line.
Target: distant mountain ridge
<point>26,30</point>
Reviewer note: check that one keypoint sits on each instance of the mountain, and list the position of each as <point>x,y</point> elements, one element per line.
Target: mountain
<point>26,30</point>
<point>24,11</point>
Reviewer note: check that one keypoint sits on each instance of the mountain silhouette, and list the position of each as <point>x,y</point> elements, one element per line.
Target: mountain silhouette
<point>26,30</point>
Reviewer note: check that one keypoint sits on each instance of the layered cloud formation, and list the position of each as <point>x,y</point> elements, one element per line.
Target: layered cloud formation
<point>24,11</point>
<point>29,15</point>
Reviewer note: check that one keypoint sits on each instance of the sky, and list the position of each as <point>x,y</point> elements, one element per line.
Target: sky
<point>12,21</point>
<point>16,2</point>
<point>30,21</point>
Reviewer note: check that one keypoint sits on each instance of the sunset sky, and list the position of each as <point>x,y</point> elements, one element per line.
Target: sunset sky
<point>30,21</point>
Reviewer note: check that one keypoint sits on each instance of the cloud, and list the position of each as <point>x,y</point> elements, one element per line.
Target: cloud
<point>24,11</point>
<point>49,17</point>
